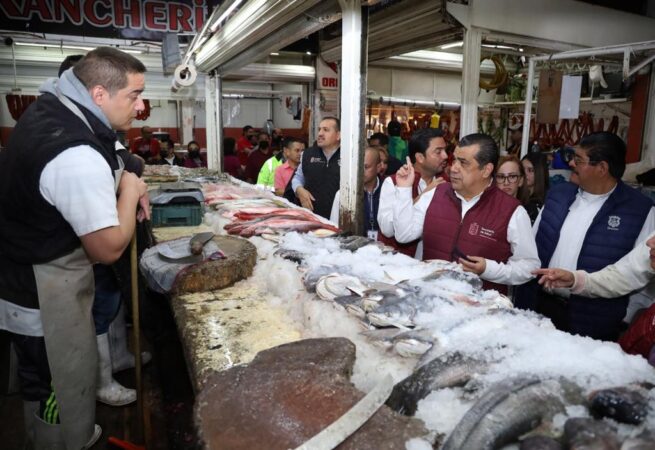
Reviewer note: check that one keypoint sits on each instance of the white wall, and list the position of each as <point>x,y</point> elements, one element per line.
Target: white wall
<point>420,85</point>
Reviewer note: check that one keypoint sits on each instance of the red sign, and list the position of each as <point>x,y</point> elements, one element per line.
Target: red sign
<point>126,19</point>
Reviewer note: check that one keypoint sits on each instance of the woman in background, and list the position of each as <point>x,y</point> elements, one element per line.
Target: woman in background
<point>536,182</point>
<point>510,178</point>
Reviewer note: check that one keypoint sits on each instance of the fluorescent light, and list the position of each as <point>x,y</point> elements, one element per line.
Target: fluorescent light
<point>452,45</point>
<point>502,47</point>
<point>35,44</point>
<point>308,52</point>
<point>275,54</point>
<point>70,47</point>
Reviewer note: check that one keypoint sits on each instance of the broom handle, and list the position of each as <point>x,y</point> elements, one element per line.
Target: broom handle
<point>136,327</point>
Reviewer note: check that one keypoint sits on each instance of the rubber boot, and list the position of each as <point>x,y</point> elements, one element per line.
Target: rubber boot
<point>108,390</point>
<point>121,358</point>
<point>49,436</point>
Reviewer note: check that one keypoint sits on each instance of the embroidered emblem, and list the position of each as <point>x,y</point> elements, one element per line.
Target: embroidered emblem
<point>474,229</point>
<point>614,222</point>
<point>315,159</point>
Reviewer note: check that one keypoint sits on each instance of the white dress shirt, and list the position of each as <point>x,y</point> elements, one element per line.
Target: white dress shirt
<point>385,210</point>
<point>408,223</point>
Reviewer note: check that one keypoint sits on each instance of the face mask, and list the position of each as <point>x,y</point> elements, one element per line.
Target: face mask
<point>194,154</point>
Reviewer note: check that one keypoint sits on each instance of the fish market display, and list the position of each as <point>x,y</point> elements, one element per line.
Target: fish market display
<point>513,376</point>
<point>479,373</point>
<point>248,223</point>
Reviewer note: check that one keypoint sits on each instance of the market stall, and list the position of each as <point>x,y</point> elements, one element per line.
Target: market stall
<point>458,355</point>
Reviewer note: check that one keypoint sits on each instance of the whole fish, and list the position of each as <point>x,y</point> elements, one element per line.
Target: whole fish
<point>621,404</point>
<point>506,411</point>
<point>582,433</point>
<point>452,369</point>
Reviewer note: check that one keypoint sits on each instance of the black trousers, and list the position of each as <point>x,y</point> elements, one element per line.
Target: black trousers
<point>33,368</point>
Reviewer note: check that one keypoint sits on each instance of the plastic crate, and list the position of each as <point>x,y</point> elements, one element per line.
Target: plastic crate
<point>177,215</point>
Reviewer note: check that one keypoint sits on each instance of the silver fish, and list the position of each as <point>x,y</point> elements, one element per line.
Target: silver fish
<point>452,369</point>
<point>507,410</point>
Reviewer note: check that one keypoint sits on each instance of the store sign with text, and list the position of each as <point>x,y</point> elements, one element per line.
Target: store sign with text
<point>120,19</point>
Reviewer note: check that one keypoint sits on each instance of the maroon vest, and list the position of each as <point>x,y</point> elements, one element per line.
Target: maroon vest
<point>482,232</point>
<point>408,248</point>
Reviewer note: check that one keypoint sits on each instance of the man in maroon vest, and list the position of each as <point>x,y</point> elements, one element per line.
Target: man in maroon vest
<point>427,152</point>
<point>470,220</point>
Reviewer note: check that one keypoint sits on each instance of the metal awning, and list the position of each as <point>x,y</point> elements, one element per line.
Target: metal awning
<point>403,27</point>
<point>260,27</point>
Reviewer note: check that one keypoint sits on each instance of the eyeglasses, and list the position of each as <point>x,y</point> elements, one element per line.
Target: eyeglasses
<point>509,178</point>
<point>580,162</point>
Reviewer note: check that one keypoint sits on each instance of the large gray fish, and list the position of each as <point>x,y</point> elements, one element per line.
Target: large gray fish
<point>622,404</point>
<point>582,433</point>
<point>452,369</point>
<point>507,410</point>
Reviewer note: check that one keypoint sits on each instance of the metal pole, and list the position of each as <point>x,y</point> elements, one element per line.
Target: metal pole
<point>354,59</point>
<point>219,124</point>
<point>470,81</point>
<point>528,109</point>
<point>214,119</point>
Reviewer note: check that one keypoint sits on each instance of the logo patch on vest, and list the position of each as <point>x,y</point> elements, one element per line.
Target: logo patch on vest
<point>474,229</point>
<point>315,159</point>
<point>613,223</point>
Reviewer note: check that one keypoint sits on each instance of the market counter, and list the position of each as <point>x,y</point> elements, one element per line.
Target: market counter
<point>224,327</point>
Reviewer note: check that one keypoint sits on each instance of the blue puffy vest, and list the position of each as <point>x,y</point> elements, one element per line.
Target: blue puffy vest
<point>611,235</point>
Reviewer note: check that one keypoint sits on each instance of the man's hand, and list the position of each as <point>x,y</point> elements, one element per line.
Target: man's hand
<point>130,183</point>
<point>555,278</point>
<point>306,198</point>
<point>405,175</point>
<point>475,264</point>
<point>436,181</point>
<point>143,213</point>
<point>433,184</point>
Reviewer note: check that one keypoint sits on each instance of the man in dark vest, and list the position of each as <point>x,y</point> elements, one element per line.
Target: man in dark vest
<point>316,180</point>
<point>470,220</point>
<point>588,224</point>
<point>65,203</point>
<point>427,154</point>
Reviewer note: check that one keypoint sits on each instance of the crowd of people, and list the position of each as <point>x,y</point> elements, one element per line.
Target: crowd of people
<point>498,217</point>
<point>581,252</point>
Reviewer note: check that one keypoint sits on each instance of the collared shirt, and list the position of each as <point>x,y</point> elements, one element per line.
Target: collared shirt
<point>283,174</point>
<point>336,204</point>
<point>408,225</point>
<point>631,272</point>
<point>385,210</point>
<point>574,229</point>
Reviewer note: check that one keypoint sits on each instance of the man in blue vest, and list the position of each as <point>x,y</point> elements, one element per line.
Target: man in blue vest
<point>587,224</point>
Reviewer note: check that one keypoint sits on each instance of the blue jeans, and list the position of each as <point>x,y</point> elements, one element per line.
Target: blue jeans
<point>107,298</point>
